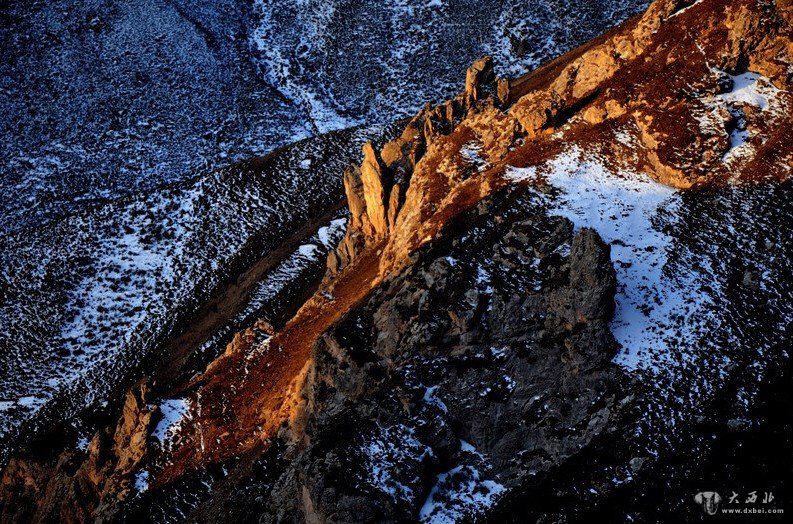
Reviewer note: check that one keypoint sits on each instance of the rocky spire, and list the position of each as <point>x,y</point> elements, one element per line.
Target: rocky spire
<point>376,189</point>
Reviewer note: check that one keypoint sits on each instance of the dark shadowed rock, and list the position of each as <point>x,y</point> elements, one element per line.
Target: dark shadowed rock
<point>464,362</point>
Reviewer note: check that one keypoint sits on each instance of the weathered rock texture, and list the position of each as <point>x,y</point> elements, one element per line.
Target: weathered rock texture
<point>665,80</point>
<point>73,488</point>
<point>490,339</point>
<point>459,346</point>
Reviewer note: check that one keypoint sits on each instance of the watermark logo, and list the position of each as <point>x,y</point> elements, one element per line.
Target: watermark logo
<point>709,501</point>
<point>747,503</point>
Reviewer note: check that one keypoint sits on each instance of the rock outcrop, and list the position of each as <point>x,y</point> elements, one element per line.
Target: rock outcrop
<point>457,358</point>
<point>670,73</point>
<point>81,481</point>
<point>680,93</point>
<point>484,349</point>
<point>376,190</point>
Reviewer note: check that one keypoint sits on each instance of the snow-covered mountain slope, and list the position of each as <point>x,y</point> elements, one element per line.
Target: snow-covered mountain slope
<point>483,313</point>
<point>351,62</point>
<point>109,111</point>
<point>101,98</point>
<point>88,300</point>
<point>558,297</point>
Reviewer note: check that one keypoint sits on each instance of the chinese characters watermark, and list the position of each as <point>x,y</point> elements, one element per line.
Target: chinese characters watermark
<point>750,502</point>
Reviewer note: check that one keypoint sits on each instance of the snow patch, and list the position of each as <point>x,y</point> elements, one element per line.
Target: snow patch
<point>328,234</point>
<point>82,444</point>
<point>389,456</point>
<point>748,89</point>
<point>462,491</point>
<point>471,153</point>
<point>173,414</point>
<point>655,310</point>
<point>307,250</point>
<point>141,481</point>
<point>751,88</point>
<point>431,397</point>
<point>483,280</point>
<point>685,9</point>
<point>457,493</point>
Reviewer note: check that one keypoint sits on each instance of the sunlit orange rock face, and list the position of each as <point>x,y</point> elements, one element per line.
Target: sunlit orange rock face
<point>691,93</point>
<point>664,78</point>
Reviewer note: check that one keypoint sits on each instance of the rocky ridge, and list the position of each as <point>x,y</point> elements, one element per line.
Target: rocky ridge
<point>458,355</point>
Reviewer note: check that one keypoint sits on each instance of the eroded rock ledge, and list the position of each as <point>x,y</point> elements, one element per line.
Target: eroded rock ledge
<point>458,347</point>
